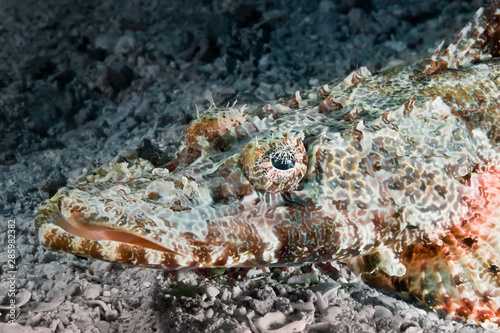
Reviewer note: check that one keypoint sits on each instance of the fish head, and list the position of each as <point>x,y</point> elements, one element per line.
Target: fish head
<point>227,199</point>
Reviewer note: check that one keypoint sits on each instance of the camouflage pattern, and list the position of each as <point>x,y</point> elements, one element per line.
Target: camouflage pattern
<point>396,174</point>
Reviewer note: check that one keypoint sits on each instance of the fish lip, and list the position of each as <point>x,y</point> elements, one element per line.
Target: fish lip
<point>71,233</point>
<point>74,226</point>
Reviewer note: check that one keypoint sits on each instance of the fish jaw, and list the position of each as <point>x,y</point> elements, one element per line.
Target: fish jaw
<point>85,223</point>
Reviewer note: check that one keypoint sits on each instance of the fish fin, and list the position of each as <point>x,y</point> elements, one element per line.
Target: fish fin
<point>458,275</point>
<point>383,259</point>
<point>476,42</point>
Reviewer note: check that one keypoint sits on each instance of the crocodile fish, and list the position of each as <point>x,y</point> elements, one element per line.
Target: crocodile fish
<point>396,174</point>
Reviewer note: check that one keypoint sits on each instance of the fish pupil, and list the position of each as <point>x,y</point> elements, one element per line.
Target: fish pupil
<point>283,159</point>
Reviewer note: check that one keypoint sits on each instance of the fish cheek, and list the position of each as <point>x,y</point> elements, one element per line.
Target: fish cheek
<point>228,184</point>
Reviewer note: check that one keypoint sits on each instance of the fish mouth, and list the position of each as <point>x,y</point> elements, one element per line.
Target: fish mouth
<point>74,226</point>
<point>74,234</point>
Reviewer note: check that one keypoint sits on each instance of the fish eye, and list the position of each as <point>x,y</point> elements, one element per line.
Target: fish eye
<point>274,164</point>
<point>282,159</point>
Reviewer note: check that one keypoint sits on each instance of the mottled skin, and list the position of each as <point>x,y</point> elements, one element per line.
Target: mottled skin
<point>385,172</point>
